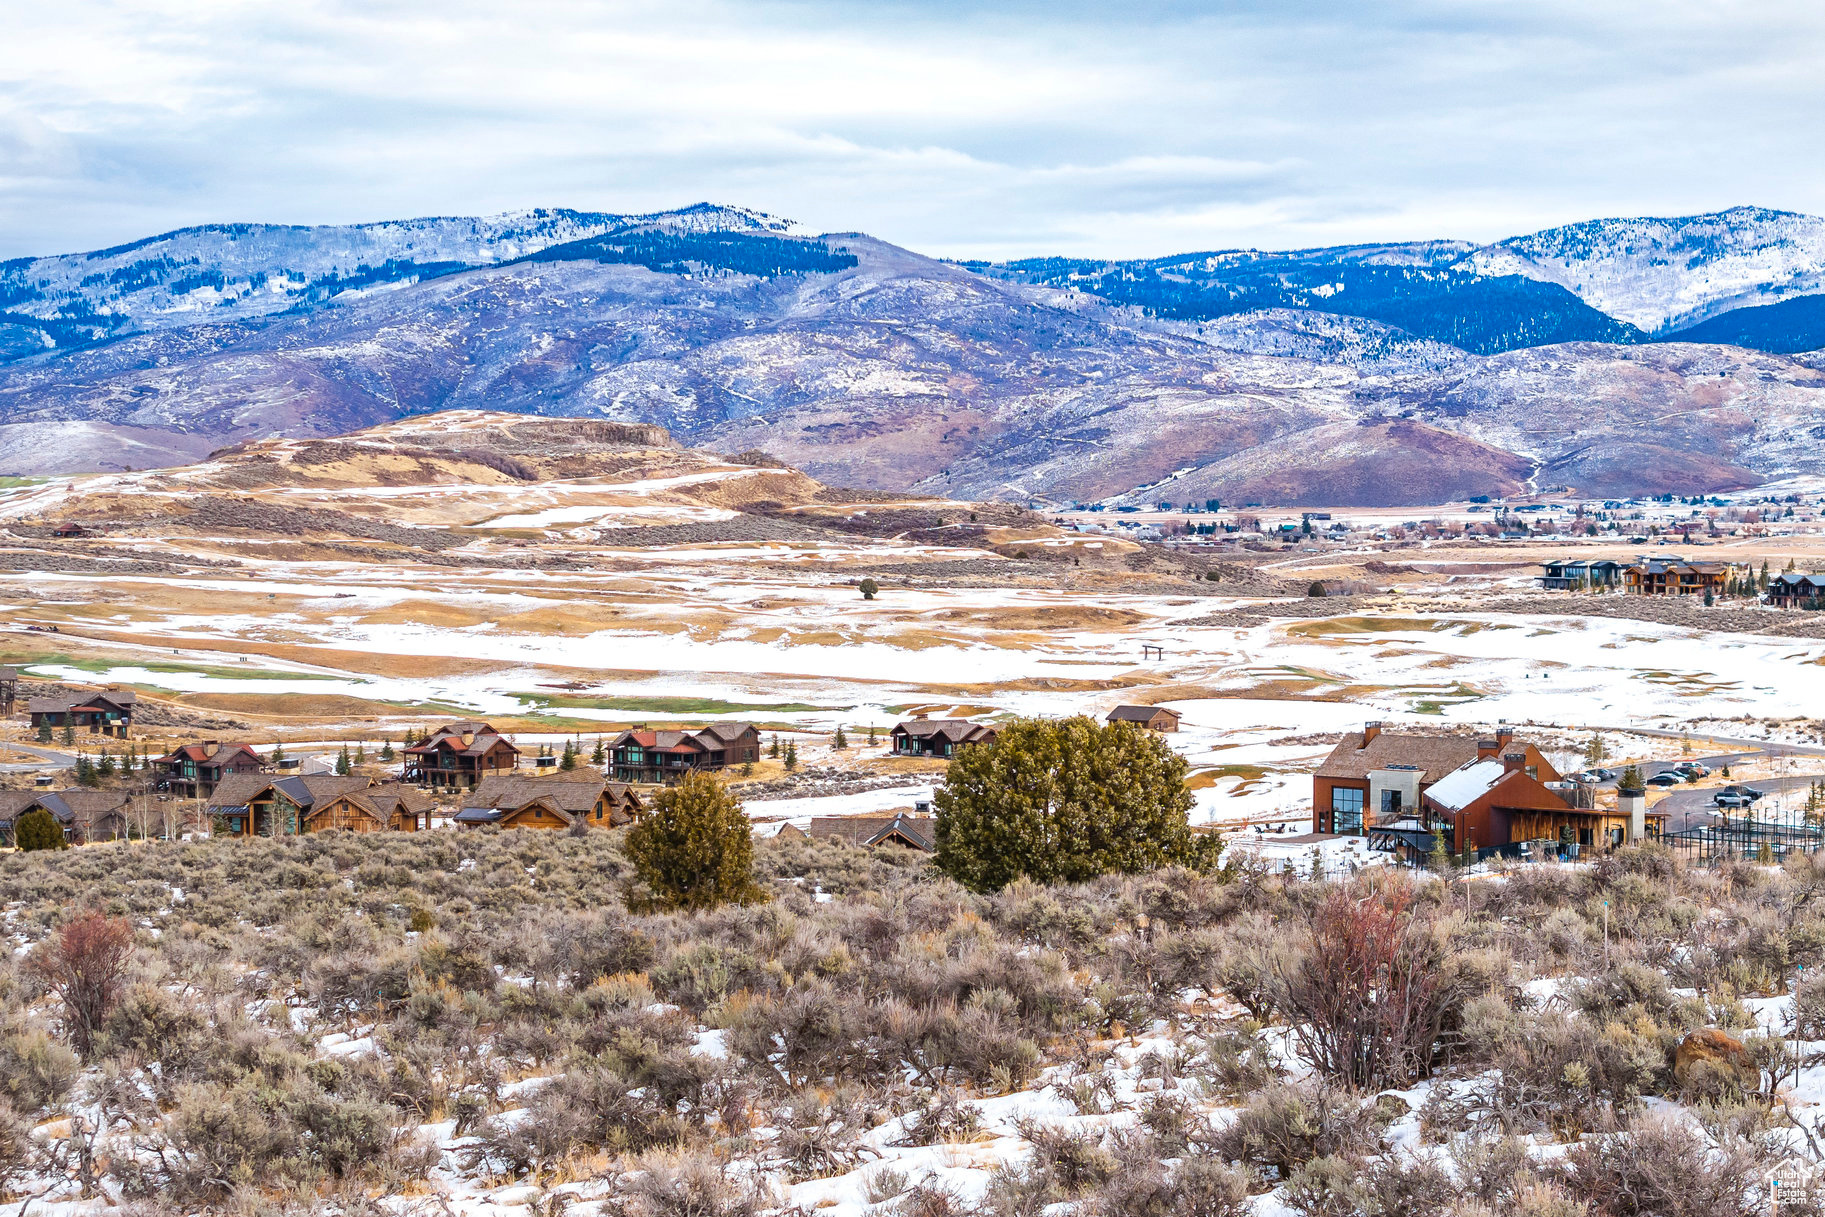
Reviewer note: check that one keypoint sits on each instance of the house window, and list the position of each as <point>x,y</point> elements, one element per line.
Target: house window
<point>1346,810</point>
<point>1390,802</point>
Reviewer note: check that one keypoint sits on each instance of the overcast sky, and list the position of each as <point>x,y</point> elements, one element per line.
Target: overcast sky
<point>994,130</point>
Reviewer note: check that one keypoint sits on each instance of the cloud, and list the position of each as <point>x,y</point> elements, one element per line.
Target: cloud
<point>1004,129</point>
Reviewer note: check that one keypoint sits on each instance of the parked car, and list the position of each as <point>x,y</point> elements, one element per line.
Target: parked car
<point>1668,778</point>
<point>1747,793</point>
<point>1691,769</point>
<point>1730,798</point>
<point>1609,775</point>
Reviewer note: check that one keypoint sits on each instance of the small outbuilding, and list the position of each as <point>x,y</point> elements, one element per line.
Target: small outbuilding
<point>1153,718</point>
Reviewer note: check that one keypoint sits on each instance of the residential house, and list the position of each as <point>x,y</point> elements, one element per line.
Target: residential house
<point>641,754</point>
<point>85,815</point>
<point>908,831</point>
<point>459,754</point>
<point>194,770</point>
<point>257,805</point>
<point>1793,589</point>
<point>1495,803</point>
<point>1376,776</point>
<point>937,736</point>
<point>1153,718</point>
<point>555,801</point>
<point>1675,577</point>
<point>103,712</point>
<point>1577,575</point>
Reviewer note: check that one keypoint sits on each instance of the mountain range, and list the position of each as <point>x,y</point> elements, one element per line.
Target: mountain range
<point>1614,357</point>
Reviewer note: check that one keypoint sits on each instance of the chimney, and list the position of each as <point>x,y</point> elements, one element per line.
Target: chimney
<point>1504,736</point>
<point>1634,805</point>
<point>1369,732</point>
<point>1487,749</point>
<point>1514,762</point>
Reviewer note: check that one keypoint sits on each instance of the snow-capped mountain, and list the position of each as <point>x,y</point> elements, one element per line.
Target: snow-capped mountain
<point>224,272</point>
<point>1389,374</point>
<point>1663,275</point>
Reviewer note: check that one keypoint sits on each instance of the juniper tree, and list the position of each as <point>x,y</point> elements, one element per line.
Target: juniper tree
<point>1064,801</point>
<point>694,848</point>
<point>38,829</point>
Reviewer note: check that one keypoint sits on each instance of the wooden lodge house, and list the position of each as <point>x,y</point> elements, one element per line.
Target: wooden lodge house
<point>1376,776</point>
<point>1676,577</point>
<point>85,815</point>
<point>255,805</point>
<point>103,712</point>
<point>937,736</point>
<point>193,771</point>
<point>555,801</point>
<point>641,754</point>
<point>1152,718</point>
<point>1797,590</point>
<point>1496,803</point>
<point>459,754</point>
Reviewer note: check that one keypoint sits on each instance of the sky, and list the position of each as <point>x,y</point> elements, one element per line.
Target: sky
<point>964,130</point>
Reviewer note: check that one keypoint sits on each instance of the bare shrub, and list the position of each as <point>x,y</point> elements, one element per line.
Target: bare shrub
<point>1395,1186</point>
<point>1286,1126</point>
<point>1655,1167</point>
<point>687,1187</point>
<point>946,1118</point>
<point>1074,1159</point>
<point>85,965</point>
<point>36,1072</point>
<point>16,1146</point>
<point>1369,996</point>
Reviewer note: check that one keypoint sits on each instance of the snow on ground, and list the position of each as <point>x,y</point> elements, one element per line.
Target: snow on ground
<point>867,802</point>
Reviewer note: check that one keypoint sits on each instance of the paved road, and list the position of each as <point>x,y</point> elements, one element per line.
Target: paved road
<point>52,759</point>
<point>1692,807</point>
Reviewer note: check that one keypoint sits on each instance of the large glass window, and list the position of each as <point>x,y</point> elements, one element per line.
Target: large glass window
<point>1346,810</point>
<point>1390,802</point>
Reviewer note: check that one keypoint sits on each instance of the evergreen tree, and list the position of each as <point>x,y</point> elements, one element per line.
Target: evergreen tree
<point>569,761</point>
<point>386,749</point>
<point>1595,750</point>
<point>791,756</point>
<point>277,754</point>
<point>44,733</point>
<point>38,829</point>
<point>1440,857</point>
<point>694,848</point>
<point>1064,801</point>
<point>342,761</point>
<point>841,741</point>
<point>872,739</point>
<point>361,753</point>
<point>69,732</point>
<point>774,750</point>
<point>869,589</point>
<point>600,755</point>
<point>85,771</point>
<point>104,768</point>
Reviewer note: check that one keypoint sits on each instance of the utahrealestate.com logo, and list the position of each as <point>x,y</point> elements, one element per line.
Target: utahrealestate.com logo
<point>1796,1184</point>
